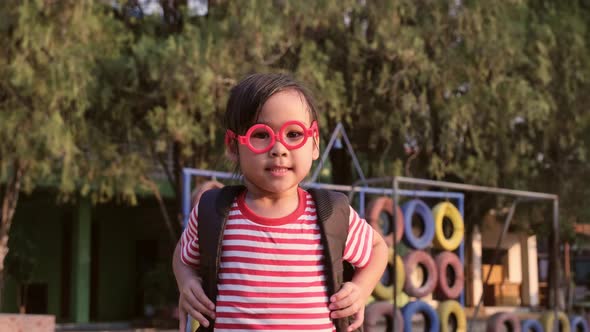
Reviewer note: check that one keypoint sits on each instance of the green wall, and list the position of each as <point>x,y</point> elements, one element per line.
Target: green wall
<point>130,241</point>
<point>116,263</point>
<point>37,230</point>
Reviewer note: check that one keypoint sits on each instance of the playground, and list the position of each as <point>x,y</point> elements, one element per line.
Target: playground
<point>429,272</point>
<point>458,130</point>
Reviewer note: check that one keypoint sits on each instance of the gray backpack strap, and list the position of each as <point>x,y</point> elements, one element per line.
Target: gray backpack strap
<point>213,208</point>
<point>333,212</point>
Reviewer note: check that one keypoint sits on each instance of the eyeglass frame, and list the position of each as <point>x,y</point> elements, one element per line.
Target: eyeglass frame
<point>244,139</point>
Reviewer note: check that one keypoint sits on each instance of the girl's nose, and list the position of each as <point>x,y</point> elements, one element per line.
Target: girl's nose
<point>278,149</point>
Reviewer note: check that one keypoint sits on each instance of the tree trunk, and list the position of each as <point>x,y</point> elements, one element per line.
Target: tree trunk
<point>1,287</point>
<point>341,170</point>
<point>8,207</point>
<point>178,164</point>
<point>554,265</point>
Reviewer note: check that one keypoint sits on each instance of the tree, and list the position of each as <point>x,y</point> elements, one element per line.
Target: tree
<point>47,96</point>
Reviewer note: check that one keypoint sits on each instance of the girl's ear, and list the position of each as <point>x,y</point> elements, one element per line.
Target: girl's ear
<point>231,152</point>
<point>231,149</point>
<point>316,147</point>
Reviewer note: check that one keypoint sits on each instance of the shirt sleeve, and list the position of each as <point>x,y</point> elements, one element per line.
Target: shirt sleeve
<point>189,241</point>
<point>359,243</point>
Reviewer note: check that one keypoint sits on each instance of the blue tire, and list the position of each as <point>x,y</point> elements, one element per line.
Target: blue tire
<point>430,317</point>
<point>531,325</point>
<point>419,208</point>
<point>579,323</point>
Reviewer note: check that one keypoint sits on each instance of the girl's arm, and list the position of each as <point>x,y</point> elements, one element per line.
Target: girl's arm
<point>368,276</point>
<point>192,299</point>
<point>182,272</point>
<point>352,297</point>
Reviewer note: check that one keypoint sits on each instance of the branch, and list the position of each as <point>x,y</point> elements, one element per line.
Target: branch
<point>276,57</point>
<point>169,175</point>
<point>11,197</point>
<point>8,208</point>
<point>154,188</point>
<point>409,161</point>
<point>225,80</point>
<point>27,103</point>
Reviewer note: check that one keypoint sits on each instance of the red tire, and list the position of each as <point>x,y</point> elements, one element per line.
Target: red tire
<point>443,261</point>
<point>411,262</point>
<point>200,189</point>
<point>499,321</point>
<point>374,210</point>
<point>377,310</point>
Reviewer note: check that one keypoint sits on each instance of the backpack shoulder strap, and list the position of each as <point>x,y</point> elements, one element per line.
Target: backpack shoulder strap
<point>333,213</point>
<point>213,208</point>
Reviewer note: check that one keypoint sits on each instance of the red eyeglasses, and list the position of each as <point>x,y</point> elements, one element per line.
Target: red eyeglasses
<point>260,138</point>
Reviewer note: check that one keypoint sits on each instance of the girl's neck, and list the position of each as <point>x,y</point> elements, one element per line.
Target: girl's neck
<point>272,205</point>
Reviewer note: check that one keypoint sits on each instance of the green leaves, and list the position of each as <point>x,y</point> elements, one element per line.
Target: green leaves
<point>492,93</point>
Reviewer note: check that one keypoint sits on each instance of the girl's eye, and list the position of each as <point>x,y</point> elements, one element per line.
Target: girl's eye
<point>260,135</point>
<point>294,134</point>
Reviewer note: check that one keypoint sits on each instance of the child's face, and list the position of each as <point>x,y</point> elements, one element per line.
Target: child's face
<point>279,170</point>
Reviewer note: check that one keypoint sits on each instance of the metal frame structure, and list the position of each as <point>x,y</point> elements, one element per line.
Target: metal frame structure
<point>188,173</point>
<point>520,196</point>
<point>395,192</point>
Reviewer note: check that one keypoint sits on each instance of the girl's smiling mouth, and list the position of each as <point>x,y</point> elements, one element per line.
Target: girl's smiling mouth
<point>278,170</point>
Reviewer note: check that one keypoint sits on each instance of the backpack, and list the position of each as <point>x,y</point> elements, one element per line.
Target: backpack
<point>332,209</point>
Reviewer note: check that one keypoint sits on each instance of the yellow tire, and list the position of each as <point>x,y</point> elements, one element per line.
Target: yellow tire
<point>402,299</point>
<point>548,319</point>
<point>445,310</point>
<point>385,292</point>
<point>448,210</point>
<point>194,325</point>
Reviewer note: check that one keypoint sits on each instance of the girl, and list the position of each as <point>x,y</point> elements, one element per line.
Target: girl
<point>272,275</point>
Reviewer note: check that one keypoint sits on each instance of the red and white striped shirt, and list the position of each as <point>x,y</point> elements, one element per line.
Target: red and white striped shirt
<point>271,276</point>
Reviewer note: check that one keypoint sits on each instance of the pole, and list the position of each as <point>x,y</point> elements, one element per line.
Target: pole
<point>555,270</point>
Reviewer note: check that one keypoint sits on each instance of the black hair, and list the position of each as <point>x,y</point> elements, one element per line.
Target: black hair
<point>249,95</point>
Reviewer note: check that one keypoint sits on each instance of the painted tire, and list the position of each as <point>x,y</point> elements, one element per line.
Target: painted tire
<point>385,292</point>
<point>401,300</point>
<point>446,309</point>
<point>419,208</point>
<point>579,323</point>
<point>498,321</point>
<point>376,310</point>
<point>411,262</point>
<point>439,212</point>
<point>194,324</point>
<point>199,190</point>
<point>531,325</point>
<point>548,318</point>
<point>448,259</point>
<point>381,205</point>
<point>430,316</point>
